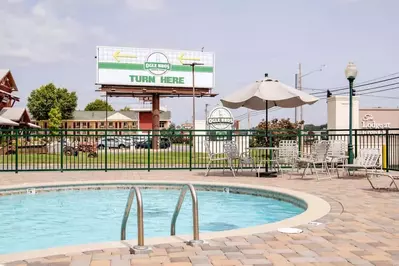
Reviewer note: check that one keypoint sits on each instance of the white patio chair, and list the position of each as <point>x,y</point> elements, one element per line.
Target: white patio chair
<point>214,157</point>
<point>233,154</point>
<point>371,176</point>
<point>336,152</point>
<point>287,154</point>
<point>318,156</point>
<point>368,160</point>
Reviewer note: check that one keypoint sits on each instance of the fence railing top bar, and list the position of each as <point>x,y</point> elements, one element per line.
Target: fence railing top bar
<point>139,132</point>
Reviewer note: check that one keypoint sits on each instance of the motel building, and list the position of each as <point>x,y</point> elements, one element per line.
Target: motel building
<point>363,117</point>
<point>135,119</point>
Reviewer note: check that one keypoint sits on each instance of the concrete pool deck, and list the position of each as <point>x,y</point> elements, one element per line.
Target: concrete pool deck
<point>362,227</point>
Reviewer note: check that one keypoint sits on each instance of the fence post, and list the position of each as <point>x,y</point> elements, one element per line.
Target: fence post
<point>106,148</point>
<point>356,143</point>
<point>387,149</point>
<point>149,150</point>
<point>16,150</point>
<point>62,152</point>
<point>191,151</point>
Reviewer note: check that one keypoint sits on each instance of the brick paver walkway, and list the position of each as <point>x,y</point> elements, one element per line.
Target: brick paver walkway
<point>361,229</point>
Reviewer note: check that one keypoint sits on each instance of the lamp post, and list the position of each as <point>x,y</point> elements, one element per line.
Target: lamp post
<point>350,73</point>
<point>193,74</point>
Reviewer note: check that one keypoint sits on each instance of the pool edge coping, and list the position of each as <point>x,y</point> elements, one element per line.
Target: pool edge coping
<point>316,209</point>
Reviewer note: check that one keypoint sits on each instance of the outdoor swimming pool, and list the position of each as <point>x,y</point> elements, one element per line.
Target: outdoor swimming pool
<point>73,217</point>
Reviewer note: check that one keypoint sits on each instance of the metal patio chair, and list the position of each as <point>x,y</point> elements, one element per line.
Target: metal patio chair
<point>233,154</point>
<point>368,160</point>
<point>214,158</point>
<point>371,176</point>
<point>317,156</point>
<point>336,153</point>
<point>287,154</point>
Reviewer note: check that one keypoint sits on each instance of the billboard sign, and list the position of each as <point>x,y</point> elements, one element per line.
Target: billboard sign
<point>221,122</point>
<point>154,67</point>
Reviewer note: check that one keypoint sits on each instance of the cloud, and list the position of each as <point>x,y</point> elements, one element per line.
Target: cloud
<point>145,4</point>
<point>40,33</point>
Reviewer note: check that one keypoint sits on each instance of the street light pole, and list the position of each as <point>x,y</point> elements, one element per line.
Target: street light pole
<point>193,76</point>
<point>351,73</point>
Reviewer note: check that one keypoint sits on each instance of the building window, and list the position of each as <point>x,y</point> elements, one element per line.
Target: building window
<point>110,124</point>
<point>162,124</point>
<point>78,124</point>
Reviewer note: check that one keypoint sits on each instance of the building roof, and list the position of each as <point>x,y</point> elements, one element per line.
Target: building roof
<point>12,113</point>
<point>119,117</point>
<point>100,115</point>
<point>7,72</point>
<point>113,116</point>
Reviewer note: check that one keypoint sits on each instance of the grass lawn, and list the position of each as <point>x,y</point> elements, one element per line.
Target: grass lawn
<point>121,158</point>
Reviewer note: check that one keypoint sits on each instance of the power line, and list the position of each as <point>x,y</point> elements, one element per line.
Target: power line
<point>337,89</point>
<point>361,83</point>
<point>381,96</point>
<point>390,89</point>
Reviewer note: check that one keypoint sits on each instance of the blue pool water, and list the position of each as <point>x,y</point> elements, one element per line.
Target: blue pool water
<point>72,217</point>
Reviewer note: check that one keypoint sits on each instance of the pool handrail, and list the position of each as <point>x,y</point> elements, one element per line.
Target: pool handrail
<point>140,248</point>
<point>194,198</point>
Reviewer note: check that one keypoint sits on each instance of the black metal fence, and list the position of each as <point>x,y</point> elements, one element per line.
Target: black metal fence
<point>92,149</point>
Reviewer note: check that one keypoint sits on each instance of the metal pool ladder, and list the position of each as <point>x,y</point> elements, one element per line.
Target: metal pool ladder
<point>140,248</point>
<point>196,240</point>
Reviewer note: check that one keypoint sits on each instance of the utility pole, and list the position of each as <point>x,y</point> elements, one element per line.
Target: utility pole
<point>206,115</point>
<point>299,79</point>
<point>296,108</point>
<point>249,119</point>
<point>300,88</point>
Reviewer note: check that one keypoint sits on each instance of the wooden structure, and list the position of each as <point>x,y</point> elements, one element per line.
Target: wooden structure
<point>7,88</point>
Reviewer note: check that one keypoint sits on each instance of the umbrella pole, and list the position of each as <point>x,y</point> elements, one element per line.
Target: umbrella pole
<point>267,130</point>
<point>267,173</point>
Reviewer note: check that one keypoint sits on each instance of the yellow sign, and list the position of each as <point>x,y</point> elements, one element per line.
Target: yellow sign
<point>181,58</point>
<point>118,55</point>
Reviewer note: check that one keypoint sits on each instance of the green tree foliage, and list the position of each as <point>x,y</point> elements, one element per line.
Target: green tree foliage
<point>126,108</point>
<point>282,129</point>
<point>47,97</point>
<point>98,105</point>
<point>55,119</point>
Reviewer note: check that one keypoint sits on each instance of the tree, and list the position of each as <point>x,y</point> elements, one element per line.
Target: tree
<point>47,97</point>
<point>126,108</point>
<point>55,119</point>
<point>98,105</point>
<point>282,129</point>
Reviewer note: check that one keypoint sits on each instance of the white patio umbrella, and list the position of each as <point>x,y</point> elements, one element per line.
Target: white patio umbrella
<point>265,94</point>
<point>7,122</point>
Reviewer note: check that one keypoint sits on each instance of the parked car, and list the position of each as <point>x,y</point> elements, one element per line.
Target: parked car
<point>164,143</point>
<point>115,143</point>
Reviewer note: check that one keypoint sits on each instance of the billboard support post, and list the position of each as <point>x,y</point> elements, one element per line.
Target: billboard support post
<point>155,120</point>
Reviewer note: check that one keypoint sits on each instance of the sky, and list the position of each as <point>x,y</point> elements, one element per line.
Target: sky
<point>44,41</point>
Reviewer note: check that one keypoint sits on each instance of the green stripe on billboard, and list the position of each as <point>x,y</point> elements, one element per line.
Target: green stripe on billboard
<point>179,68</point>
